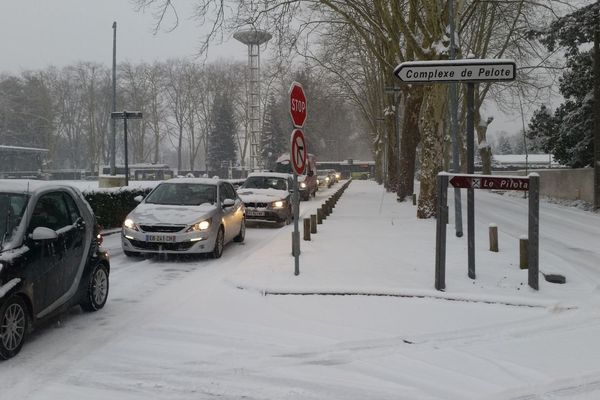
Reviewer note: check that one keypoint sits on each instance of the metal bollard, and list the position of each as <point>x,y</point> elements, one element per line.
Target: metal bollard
<point>306,228</point>
<point>493,238</point>
<point>523,256</point>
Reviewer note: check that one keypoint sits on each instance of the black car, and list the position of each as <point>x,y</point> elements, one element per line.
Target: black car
<point>50,257</point>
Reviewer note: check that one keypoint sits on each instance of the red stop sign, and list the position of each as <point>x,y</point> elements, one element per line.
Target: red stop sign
<point>297,105</point>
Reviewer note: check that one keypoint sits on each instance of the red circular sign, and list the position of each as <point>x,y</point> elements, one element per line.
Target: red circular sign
<point>299,154</point>
<point>297,105</point>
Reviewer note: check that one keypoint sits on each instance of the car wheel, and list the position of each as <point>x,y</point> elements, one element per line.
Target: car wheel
<point>240,237</point>
<point>219,244</point>
<point>97,289</point>
<point>13,327</point>
<point>131,253</point>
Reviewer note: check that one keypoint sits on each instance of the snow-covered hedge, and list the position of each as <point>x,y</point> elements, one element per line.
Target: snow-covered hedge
<point>111,207</point>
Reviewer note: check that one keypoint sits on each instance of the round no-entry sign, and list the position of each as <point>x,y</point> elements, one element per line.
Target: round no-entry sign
<point>299,152</point>
<point>297,105</point>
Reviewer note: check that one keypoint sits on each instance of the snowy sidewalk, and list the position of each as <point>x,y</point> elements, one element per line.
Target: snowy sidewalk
<point>373,245</point>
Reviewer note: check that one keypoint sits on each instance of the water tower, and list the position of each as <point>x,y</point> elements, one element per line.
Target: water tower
<point>253,38</point>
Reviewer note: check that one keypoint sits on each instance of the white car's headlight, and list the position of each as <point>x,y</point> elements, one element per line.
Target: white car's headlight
<point>278,204</point>
<point>303,185</point>
<point>200,226</point>
<point>129,224</point>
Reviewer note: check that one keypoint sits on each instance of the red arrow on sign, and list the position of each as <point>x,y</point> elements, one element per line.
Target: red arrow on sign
<point>297,105</point>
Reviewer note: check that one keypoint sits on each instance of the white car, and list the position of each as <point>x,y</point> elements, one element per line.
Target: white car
<point>267,197</point>
<point>185,216</point>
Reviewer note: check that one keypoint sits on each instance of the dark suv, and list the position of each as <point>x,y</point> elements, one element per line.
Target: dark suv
<point>50,257</point>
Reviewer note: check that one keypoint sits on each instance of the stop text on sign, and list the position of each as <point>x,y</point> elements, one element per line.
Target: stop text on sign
<point>456,71</point>
<point>298,105</point>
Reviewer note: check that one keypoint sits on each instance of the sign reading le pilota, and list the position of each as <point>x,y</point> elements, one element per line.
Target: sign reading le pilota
<point>468,70</point>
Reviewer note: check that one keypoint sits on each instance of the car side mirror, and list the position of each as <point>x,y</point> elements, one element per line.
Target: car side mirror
<point>42,233</point>
<point>228,202</point>
<point>138,199</point>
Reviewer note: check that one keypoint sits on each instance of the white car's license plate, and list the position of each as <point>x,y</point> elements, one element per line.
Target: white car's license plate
<point>252,213</point>
<point>160,238</point>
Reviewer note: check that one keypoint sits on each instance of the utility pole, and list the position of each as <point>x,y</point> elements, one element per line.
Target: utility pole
<point>113,126</point>
<point>596,76</point>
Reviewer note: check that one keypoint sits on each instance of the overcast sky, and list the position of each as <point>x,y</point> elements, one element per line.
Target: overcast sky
<point>37,33</point>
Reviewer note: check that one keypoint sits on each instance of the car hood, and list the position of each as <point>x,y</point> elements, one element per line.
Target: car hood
<point>170,214</point>
<point>262,195</point>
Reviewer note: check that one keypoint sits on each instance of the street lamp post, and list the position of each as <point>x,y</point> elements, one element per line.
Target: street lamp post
<point>113,128</point>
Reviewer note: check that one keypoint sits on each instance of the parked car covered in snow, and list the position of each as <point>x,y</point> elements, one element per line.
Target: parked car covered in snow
<point>185,216</point>
<point>50,257</point>
<point>267,197</point>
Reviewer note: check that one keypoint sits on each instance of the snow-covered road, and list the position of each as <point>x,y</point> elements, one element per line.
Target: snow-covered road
<point>202,328</point>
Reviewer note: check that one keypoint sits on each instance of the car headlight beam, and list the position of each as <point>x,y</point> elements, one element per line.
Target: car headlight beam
<point>130,224</point>
<point>200,226</point>
<point>278,204</point>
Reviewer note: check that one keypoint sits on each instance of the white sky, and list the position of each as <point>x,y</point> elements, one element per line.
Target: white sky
<point>35,34</point>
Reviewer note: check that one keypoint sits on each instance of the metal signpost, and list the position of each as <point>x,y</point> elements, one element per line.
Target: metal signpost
<point>298,158</point>
<point>470,182</point>
<point>125,115</point>
<point>469,71</point>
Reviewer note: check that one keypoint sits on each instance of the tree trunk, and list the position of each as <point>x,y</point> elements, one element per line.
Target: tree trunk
<point>485,151</point>
<point>409,141</point>
<point>179,148</point>
<point>432,145</point>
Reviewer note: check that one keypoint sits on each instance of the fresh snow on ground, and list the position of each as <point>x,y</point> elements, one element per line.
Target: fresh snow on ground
<point>361,321</point>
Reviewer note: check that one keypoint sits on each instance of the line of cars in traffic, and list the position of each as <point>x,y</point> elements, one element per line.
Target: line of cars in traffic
<point>50,244</point>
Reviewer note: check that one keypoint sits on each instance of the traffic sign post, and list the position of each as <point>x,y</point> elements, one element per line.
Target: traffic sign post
<point>471,182</point>
<point>298,110</point>
<point>125,115</point>
<point>469,71</point>
<point>298,158</point>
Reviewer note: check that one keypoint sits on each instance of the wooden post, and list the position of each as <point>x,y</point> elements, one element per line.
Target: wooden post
<point>523,246</point>
<point>313,223</point>
<point>414,197</point>
<point>306,228</point>
<point>494,238</point>
<point>319,215</point>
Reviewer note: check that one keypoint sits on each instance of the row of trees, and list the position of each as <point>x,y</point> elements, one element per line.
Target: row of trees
<point>358,43</point>
<point>195,116</point>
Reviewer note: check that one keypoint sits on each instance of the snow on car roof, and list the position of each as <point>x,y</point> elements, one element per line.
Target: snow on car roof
<point>206,181</point>
<point>27,186</point>
<point>270,174</point>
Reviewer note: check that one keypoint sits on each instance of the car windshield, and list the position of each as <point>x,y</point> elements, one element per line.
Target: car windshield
<point>12,207</point>
<point>183,194</point>
<point>265,182</point>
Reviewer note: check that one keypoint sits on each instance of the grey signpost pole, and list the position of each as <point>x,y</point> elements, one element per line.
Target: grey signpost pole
<point>454,128</point>
<point>125,115</point>
<point>440,225</point>
<point>471,170</point>
<point>296,233</point>
<point>534,231</point>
